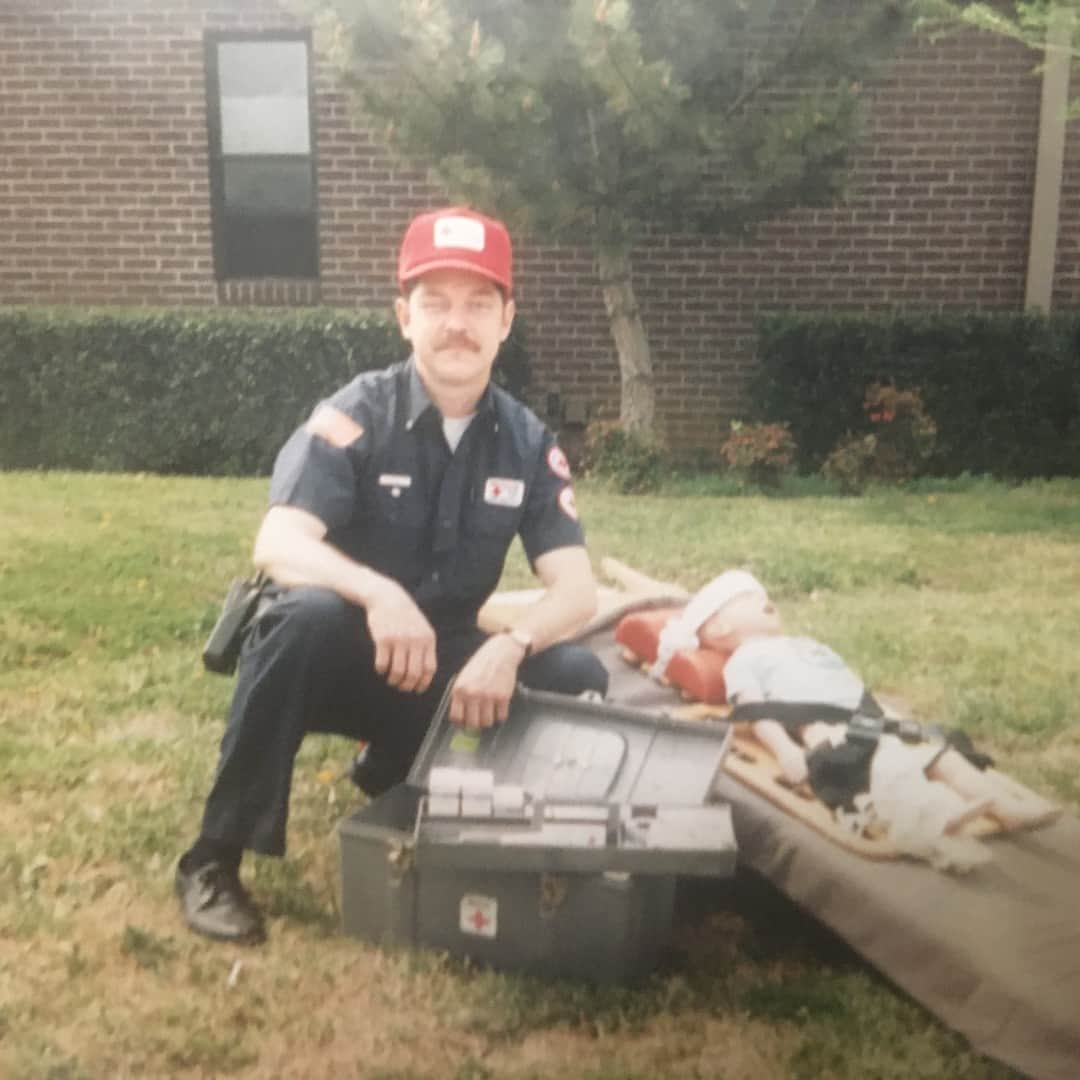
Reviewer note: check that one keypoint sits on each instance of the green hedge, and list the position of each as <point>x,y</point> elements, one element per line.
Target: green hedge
<point>211,392</point>
<point>1004,390</point>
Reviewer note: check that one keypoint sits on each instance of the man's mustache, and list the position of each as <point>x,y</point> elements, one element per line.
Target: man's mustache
<point>457,341</point>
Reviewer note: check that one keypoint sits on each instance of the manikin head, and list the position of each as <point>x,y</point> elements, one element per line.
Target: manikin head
<point>728,611</point>
<point>747,615</point>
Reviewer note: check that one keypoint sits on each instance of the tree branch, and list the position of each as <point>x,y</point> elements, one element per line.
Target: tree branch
<point>417,82</point>
<point>752,90</point>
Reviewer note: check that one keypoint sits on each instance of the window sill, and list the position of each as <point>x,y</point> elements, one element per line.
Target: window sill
<point>270,292</point>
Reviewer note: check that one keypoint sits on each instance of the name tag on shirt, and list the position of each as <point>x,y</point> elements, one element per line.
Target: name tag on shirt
<point>503,492</point>
<point>395,482</point>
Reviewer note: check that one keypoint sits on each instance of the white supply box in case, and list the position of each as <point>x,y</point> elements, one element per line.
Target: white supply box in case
<point>549,845</point>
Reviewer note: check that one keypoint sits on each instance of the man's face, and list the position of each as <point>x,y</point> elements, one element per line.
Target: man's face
<point>455,321</point>
<point>745,616</point>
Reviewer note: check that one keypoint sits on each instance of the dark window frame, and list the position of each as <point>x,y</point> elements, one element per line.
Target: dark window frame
<point>220,218</point>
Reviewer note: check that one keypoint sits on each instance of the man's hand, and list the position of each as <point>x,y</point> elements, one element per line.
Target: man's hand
<point>404,639</point>
<point>482,690</point>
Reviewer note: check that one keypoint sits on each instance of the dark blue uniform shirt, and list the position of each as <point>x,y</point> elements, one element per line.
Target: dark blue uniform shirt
<point>393,496</point>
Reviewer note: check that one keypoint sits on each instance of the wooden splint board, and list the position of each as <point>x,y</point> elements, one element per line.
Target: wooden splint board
<point>752,764</point>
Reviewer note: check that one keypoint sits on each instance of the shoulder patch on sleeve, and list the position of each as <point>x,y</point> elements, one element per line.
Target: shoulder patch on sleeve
<point>337,428</point>
<point>557,463</point>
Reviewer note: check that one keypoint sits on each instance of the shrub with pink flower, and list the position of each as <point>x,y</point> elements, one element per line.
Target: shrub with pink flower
<point>899,443</point>
<point>760,453</point>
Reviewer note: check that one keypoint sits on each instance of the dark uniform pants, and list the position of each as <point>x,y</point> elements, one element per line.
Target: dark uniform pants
<point>309,665</point>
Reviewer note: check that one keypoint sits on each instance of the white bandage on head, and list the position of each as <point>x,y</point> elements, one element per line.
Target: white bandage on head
<point>681,631</point>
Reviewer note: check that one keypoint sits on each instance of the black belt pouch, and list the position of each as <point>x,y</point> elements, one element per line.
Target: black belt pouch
<point>222,648</point>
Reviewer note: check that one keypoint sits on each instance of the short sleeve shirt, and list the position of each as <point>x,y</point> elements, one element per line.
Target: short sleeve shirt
<point>791,669</point>
<point>374,466</point>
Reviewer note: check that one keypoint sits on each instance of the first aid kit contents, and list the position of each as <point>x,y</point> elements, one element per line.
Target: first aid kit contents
<point>550,844</point>
<point>467,806</point>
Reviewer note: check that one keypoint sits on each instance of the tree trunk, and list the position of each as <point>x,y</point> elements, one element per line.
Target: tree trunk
<point>637,409</point>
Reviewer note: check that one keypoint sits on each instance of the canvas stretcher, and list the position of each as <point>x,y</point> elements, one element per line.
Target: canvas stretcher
<point>995,954</point>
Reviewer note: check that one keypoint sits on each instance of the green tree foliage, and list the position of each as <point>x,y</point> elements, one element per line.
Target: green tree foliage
<point>1029,21</point>
<point>595,121</point>
<point>1042,25</point>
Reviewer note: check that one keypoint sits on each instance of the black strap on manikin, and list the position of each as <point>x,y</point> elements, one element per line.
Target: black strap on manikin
<point>866,724</point>
<point>867,721</point>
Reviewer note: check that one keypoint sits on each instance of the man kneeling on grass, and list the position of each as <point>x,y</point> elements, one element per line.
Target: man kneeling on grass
<point>393,509</point>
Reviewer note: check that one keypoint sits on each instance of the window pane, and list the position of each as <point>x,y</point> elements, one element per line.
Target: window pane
<point>259,247</point>
<point>264,97</point>
<point>257,186</point>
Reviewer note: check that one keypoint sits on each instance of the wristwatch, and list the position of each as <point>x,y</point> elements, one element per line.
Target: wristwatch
<point>523,638</point>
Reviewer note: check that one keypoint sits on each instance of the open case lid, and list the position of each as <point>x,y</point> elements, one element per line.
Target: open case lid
<point>565,749</point>
<point>611,789</point>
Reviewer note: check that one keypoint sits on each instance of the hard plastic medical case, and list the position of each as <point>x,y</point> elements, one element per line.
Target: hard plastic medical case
<point>563,862</point>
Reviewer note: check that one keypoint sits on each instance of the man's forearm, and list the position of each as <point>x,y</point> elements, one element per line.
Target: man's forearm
<point>299,559</point>
<point>562,610</point>
<point>567,602</point>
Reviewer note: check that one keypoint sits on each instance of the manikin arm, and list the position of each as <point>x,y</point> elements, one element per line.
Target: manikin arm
<point>772,734</point>
<point>789,754</point>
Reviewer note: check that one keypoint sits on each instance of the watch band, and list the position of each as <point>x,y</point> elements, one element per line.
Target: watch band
<point>523,638</point>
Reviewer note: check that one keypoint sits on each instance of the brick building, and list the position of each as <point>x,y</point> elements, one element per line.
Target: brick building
<point>130,173</point>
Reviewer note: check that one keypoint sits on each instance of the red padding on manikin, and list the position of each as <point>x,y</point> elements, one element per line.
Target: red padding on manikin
<point>640,631</point>
<point>698,673</point>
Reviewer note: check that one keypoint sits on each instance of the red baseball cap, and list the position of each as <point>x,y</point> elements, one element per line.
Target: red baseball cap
<point>459,239</point>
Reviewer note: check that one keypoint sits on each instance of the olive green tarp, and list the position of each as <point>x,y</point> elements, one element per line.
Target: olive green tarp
<point>994,954</point>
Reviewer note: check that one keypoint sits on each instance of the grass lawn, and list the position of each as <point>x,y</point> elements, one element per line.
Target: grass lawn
<point>963,599</point>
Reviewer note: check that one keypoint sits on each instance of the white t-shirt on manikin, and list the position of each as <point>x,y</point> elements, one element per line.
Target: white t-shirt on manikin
<point>797,669</point>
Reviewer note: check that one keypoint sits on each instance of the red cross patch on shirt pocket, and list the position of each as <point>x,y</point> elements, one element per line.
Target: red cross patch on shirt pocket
<point>500,491</point>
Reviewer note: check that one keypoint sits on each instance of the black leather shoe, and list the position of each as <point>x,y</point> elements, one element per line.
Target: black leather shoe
<point>375,773</point>
<point>214,903</point>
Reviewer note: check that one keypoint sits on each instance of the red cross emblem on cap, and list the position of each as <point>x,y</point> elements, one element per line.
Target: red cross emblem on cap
<point>457,238</point>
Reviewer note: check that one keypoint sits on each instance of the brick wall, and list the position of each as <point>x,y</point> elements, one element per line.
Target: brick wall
<point>1067,262</point>
<point>103,175</point>
<point>105,198</point>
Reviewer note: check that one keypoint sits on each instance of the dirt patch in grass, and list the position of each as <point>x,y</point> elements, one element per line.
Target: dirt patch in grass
<point>691,1045</point>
